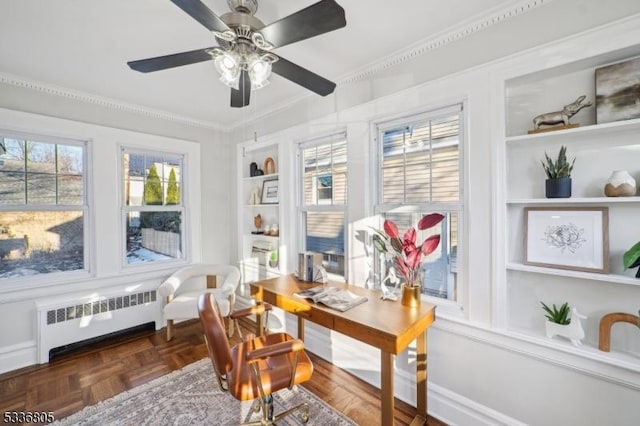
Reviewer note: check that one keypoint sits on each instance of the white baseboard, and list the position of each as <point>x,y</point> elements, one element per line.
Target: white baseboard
<point>18,356</point>
<point>455,409</point>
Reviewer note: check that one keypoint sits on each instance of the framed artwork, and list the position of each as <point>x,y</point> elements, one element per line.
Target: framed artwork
<point>618,91</point>
<point>270,191</point>
<point>575,238</point>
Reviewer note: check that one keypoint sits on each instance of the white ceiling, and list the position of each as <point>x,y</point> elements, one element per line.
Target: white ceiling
<point>83,45</point>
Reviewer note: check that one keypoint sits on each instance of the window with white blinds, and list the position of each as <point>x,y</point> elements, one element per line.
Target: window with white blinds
<point>323,199</point>
<point>420,172</point>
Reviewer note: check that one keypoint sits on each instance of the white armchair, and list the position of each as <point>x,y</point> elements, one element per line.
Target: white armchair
<point>183,288</point>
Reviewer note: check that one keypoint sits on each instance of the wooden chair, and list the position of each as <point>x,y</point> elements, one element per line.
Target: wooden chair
<point>184,286</point>
<point>257,367</point>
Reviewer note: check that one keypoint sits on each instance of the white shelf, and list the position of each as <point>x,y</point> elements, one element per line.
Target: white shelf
<point>611,278</point>
<point>618,359</point>
<point>250,206</point>
<point>270,176</point>
<point>265,237</point>
<point>576,200</point>
<point>576,132</point>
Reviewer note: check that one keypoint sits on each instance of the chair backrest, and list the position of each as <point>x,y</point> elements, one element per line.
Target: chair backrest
<point>215,334</point>
<point>229,282</point>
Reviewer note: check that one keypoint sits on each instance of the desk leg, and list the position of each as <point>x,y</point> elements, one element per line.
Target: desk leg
<point>301,328</point>
<point>421,373</point>
<point>386,387</point>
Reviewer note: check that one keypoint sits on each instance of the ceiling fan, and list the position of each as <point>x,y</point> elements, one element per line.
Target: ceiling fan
<point>243,57</point>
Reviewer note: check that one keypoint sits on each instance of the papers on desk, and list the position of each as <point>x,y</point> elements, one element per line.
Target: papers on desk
<point>332,297</point>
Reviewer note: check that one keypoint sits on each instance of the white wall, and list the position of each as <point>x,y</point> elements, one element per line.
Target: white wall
<point>480,372</point>
<point>207,163</point>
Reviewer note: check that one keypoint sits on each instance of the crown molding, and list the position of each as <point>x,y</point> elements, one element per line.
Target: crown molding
<point>491,17</point>
<point>496,15</point>
<point>464,29</point>
<point>102,101</point>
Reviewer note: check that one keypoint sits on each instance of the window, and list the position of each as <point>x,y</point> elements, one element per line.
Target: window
<point>43,208</point>
<point>419,172</point>
<point>323,166</point>
<point>152,206</point>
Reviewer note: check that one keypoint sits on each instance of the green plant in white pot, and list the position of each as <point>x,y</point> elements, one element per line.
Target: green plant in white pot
<point>560,324</point>
<point>631,258</point>
<point>558,183</point>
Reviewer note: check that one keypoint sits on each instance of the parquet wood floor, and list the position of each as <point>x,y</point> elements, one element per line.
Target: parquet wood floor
<point>91,374</point>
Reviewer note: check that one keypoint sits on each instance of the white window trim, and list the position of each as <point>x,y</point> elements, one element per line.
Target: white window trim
<point>454,308</point>
<point>182,208</point>
<point>64,277</point>
<point>302,209</point>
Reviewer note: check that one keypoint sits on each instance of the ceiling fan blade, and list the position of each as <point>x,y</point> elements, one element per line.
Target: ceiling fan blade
<point>171,61</point>
<point>303,77</point>
<point>319,18</point>
<point>201,13</point>
<point>240,97</point>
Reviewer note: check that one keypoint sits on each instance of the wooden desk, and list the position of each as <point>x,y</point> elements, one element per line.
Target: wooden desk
<point>386,325</point>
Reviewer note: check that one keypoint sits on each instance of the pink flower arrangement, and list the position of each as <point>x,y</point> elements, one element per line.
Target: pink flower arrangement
<point>407,254</point>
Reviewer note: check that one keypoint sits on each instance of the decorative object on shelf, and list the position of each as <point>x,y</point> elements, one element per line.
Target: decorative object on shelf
<point>560,324</point>
<point>254,170</point>
<point>261,251</point>
<point>407,255</point>
<point>557,117</point>
<point>255,196</point>
<point>272,230</point>
<point>558,183</point>
<point>620,184</point>
<point>618,91</point>
<point>257,222</point>
<point>270,191</point>
<point>269,166</point>
<point>631,258</point>
<point>607,321</point>
<point>273,259</point>
<point>575,238</point>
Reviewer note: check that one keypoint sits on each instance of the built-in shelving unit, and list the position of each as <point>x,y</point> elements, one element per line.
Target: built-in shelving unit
<point>259,252</point>
<point>599,149</point>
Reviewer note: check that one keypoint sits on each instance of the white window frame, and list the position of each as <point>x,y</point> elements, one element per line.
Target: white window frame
<point>181,208</point>
<point>56,278</point>
<point>380,208</point>
<point>321,206</point>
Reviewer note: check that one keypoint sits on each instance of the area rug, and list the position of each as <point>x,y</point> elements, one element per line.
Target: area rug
<point>192,396</point>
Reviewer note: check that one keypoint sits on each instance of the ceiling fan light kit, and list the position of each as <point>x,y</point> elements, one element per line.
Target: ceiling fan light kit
<point>243,58</point>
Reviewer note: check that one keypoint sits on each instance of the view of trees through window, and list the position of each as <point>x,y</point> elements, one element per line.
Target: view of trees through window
<point>152,206</point>
<point>42,207</point>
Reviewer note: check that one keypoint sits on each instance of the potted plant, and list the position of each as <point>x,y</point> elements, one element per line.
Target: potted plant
<point>558,183</point>
<point>557,315</point>
<point>631,258</point>
<point>407,255</point>
<point>559,323</point>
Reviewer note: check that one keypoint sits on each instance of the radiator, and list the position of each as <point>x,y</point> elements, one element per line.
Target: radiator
<point>76,318</point>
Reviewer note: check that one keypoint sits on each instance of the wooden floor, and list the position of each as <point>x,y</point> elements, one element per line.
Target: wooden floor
<point>88,375</point>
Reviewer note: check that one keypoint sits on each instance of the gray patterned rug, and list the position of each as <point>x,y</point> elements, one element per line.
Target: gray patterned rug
<point>192,396</point>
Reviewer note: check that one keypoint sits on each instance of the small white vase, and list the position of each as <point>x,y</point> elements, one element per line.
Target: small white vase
<point>620,184</point>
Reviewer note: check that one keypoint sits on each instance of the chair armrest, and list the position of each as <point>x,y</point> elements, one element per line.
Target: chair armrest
<point>169,287</point>
<point>253,310</point>
<point>275,350</point>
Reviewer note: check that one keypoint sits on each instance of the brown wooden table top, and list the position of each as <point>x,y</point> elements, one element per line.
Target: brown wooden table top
<point>384,324</point>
